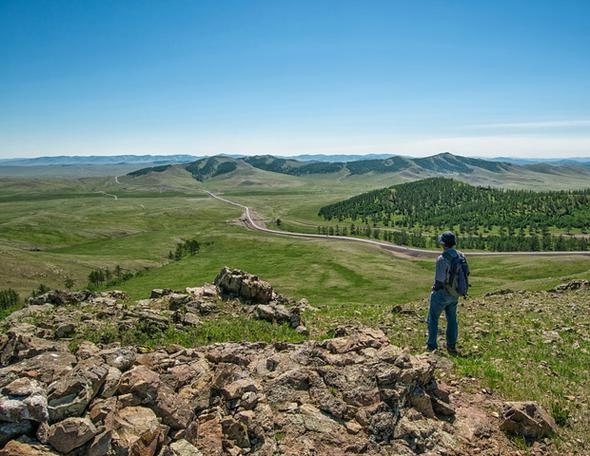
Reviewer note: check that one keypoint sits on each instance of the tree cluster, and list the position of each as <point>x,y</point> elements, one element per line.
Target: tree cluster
<point>104,276</point>
<point>184,248</point>
<point>485,218</point>
<point>8,298</point>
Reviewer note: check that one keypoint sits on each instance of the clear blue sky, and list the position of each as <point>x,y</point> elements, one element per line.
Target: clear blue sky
<point>485,78</point>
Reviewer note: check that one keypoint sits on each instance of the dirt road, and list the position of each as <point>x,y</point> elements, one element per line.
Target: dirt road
<point>396,249</point>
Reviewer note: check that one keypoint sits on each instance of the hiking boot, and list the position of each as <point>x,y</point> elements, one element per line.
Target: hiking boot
<point>431,349</point>
<point>452,351</point>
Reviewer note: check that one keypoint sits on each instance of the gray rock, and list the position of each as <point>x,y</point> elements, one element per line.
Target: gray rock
<point>243,285</point>
<point>65,330</point>
<point>8,431</point>
<point>122,358</point>
<point>190,319</point>
<point>160,292</point>
<point>23,399</point>
<point>100,444</point>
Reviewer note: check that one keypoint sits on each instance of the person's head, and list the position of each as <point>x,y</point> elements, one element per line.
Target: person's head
<point>447,240</point>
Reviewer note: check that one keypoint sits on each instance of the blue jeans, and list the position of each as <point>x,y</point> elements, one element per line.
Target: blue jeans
<point>441,300</point>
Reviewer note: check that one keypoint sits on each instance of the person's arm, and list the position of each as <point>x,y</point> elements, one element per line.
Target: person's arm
<point>440,275</point>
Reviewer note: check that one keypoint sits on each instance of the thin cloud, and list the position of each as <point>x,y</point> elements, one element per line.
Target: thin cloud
<point>540,124</point>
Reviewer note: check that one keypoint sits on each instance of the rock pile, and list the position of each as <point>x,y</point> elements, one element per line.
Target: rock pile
<point>353,394</point>
<point>571,285</point>
<point>63,314</point>
<point>267,304</point>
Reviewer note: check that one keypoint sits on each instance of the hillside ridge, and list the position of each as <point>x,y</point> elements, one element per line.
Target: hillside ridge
<point>439,164</point>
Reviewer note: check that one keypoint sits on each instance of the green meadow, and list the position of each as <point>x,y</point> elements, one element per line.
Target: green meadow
<point>54,229</point>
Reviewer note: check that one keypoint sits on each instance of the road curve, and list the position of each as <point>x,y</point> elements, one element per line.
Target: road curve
<point>410,251</point>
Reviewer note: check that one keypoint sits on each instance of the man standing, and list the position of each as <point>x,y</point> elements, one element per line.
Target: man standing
<point>450,282</point>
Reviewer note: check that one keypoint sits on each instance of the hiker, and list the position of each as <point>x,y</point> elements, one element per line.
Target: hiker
<point>450,282</point>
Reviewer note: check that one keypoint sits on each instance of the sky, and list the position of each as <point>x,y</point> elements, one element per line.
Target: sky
<point>477,78</point>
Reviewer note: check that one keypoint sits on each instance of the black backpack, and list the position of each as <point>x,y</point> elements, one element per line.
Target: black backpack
<point>457,283</point>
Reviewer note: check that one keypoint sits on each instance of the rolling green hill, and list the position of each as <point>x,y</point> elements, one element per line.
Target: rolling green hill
<point>392,169</point>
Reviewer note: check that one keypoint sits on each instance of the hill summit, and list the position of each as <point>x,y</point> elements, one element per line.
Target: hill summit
<point>354,393</point>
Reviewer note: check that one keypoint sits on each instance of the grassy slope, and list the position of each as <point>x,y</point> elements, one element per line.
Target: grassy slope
<point>524,346</point>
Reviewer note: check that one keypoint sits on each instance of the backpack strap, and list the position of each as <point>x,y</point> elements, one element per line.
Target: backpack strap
<point>452,267</point>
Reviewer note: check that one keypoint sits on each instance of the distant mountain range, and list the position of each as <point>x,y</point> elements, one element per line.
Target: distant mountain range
<point>552,161</point>
<point>445,164</point>
<point>64,160</point>
<point>255,170</point>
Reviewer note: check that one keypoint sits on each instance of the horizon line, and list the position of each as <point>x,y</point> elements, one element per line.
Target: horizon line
<point>239,155</point>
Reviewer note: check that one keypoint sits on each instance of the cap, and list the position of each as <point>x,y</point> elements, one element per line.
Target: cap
<point>448,239</point>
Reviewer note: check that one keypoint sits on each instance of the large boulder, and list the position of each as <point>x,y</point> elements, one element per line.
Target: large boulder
<point>527,419</point>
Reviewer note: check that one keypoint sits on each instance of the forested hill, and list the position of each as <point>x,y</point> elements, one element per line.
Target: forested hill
<point>445,164</point>
<point>436,204</point>
<point>442,163</point>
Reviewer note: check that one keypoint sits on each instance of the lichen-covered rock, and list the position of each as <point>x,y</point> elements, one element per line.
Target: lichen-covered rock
<point>183,448</point>
<point>23,399</point>
<point>121,358</point>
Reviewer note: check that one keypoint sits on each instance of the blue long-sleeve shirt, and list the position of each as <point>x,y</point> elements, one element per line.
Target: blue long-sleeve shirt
<point>442,269</point>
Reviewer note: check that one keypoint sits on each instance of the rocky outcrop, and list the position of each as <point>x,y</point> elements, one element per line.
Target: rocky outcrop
<point>353,394</point>
<point>571,285</point>
<point>233,282</point>
<point>267,303</point>
<point>68,315</point>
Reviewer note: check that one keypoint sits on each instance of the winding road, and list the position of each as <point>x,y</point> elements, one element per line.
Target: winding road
<point>410,251</point>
